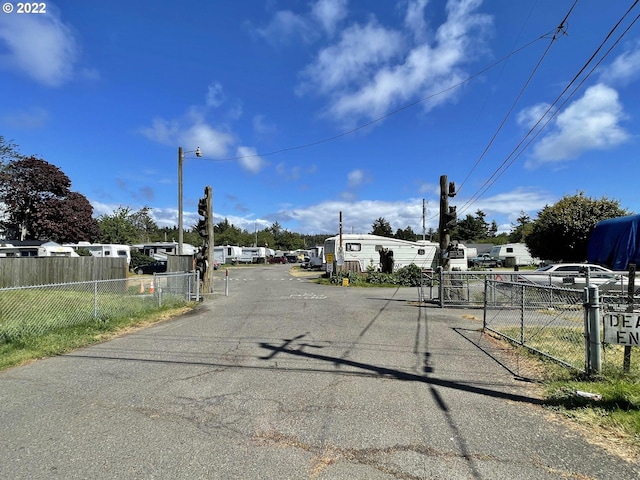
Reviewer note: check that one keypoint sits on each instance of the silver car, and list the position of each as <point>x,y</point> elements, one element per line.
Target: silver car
<point>574,275</point>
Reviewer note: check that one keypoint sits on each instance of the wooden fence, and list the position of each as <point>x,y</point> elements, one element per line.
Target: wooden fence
<point>20,272</point>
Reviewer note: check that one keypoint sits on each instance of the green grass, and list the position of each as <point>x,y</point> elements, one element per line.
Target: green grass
<point>41,322</point>
<point>22,349</point>
<point>617,413</point>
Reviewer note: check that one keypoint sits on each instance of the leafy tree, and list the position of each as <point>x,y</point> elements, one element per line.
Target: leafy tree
<point>521,229</point>
<point>381,227</point>
<point>561,231</point>
<point>230,235</point>
<point>221,227</point>
<point>472,228</point>
<point>67,220</point>
<point>118,228</point>
<point>40,205</point>
<point>406,234</point>
<point>8,151</point>
<point>493,229</point>
<point>145,225</point>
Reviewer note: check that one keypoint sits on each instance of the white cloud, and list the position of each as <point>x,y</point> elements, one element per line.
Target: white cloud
<point>355,178</point>
<point>359,51</point>
<point>372,69</point>
<point>29,119</point>
<point>285,27</point>
<point>194,130</point>
<point>590,123</point>
<point>329,13</point>
<point>534,115</point>
<point>358,216</point>
<point>212,142</point>
<point>215,97</point>
<point>624,69</point>
<point>249,160</point>
<point>509,204</point>
<point>40,46</point>
<point>414,19</point>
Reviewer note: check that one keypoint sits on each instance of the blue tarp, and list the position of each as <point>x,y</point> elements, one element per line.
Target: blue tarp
<point>615,243</point>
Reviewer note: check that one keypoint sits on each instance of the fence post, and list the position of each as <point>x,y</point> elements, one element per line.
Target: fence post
<point>95,300</point>
<point>441,286</point>
<point>592,329</point>
<point>486,301</point>
<point>522,297</point>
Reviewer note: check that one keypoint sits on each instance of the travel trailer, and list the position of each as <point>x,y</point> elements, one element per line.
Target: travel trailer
<point>316,257</point>
<point>226,254</point>
<point>254,254</point>
<point>361,251</point>
<point>104,249</point>
<point>32,249</point>
<point>160,250</point>
<point>512,254</point>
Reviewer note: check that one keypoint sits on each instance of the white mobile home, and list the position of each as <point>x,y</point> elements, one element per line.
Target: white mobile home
<point>316,257</point>
<point>253,255</point>
<point>47,249</point>
<point>160,250</point>
<point>226,254</point>
<point>104,249</point>
<point>512,254</point>
<point>360,252</point>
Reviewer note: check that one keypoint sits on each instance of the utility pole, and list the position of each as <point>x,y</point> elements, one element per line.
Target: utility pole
<point>208,283</point>
<point>424,215</point>
<point>205,257</point>
<point>447,219</point>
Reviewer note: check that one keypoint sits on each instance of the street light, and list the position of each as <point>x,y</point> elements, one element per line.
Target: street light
<point>198,153</point>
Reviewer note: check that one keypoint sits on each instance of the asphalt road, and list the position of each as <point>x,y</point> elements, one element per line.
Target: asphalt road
<point>286,379</point>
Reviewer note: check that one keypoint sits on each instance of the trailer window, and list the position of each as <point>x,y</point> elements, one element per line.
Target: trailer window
<point>353,247</point>
<point>421,251</point>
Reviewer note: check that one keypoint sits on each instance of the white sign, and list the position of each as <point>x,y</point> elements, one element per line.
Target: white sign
<point>622,328</point>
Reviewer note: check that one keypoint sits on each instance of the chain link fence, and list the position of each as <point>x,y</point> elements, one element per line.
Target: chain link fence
<point>34,310</point>
<point>552,321</point>
<point>464,289</point>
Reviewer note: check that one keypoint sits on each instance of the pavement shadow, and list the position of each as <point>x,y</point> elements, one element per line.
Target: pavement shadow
<point>284,349</point>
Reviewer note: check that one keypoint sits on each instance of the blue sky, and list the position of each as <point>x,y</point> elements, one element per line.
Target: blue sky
<point>303,109</point>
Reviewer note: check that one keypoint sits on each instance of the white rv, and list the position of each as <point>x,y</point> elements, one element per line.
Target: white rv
<point>253,255</point>
<point>48,249</point>
<point>226,254</point>
<point>160,250</point>
<point>104,249</point>
<point>316,257</point>
<point>512,254</point>
<point>359,252</point>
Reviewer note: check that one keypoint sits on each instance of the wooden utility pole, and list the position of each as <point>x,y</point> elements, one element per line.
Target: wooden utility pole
<point>630,292</point>
<point>208,274</point>
<point>447,219</point>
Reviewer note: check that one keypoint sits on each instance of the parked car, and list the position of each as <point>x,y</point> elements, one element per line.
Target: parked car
<point>574,275</point>
<point>154,267</point>
<point>485,260</point>
<point>281,259</point>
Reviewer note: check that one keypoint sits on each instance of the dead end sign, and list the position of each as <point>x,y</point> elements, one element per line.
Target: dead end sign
<point>622,328</point>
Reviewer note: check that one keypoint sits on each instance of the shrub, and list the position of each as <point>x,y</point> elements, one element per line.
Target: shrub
<point>352,276</point>
<point>409,275</point>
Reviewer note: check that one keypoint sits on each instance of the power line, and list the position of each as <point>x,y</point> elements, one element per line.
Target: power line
<point>392,113</point>
<point>559,29</point>
<point>520,148</point>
